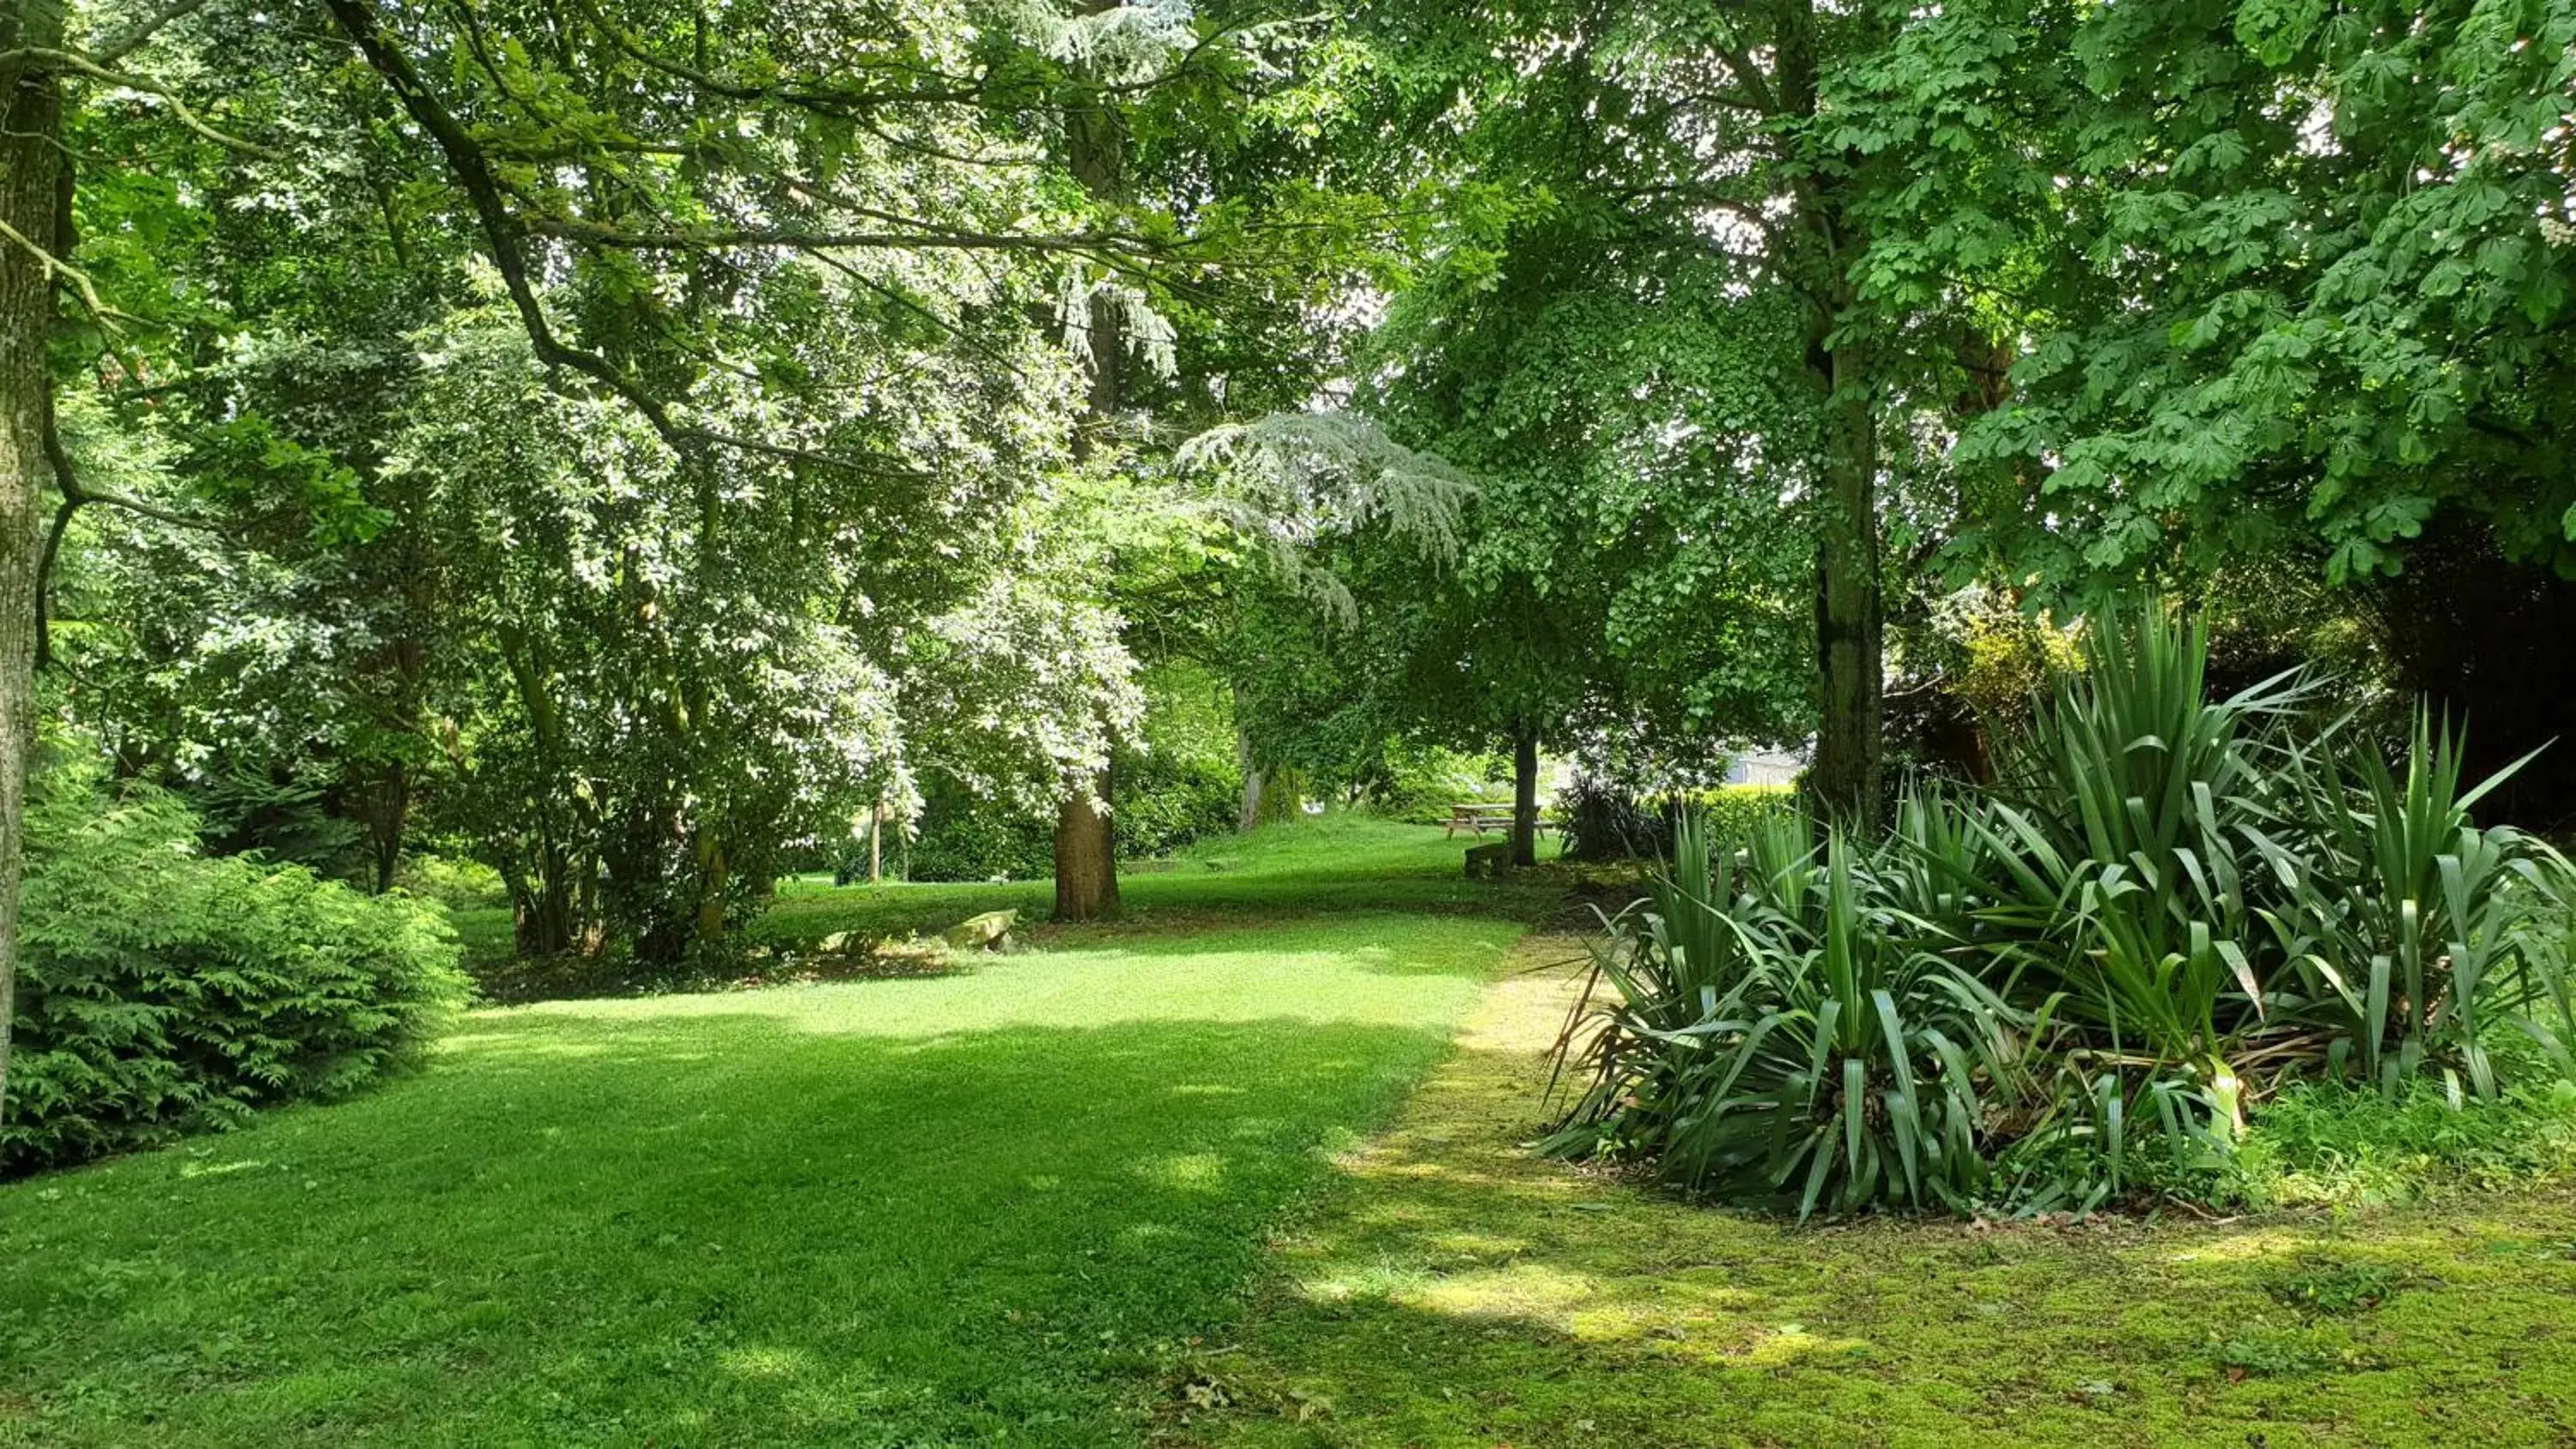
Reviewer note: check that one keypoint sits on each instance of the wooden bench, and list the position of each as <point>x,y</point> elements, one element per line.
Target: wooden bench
<point>1480,817</point>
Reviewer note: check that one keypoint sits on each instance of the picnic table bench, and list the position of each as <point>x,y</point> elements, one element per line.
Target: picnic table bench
<point>1481,817</point>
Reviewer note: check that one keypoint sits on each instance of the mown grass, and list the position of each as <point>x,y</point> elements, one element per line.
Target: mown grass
<point>973,1209</point>
<point>1464,1292</point>
<point>1088,1195</point>
<point>1339,862</point>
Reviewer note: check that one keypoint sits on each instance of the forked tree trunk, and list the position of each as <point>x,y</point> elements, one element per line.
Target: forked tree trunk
<point>714,876</point>
<point>542,911</point>
<point>1524,793</point>
<point>1086,856</point>
<point>32,202</point>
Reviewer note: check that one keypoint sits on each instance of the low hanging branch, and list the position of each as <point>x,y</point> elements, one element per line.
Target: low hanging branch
<point>502,232</point>
<point>507,233</point>
<point>135,36</point>
<point>75,497</point>
<point>75,63</point>
<point>1291,478</point>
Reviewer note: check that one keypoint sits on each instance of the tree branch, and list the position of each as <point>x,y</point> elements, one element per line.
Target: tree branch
<point>140,33</point>
<point>707,239</point>
<point>502,232</point>
<point>505,235</point>
<point>848,104</point>
<point>75,495</point>
<point>179,108</point>
<point>82,284</point>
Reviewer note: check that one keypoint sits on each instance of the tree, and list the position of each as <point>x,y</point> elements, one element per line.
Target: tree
<point>1286,231</point>
<point>665,204</point>
<point>1615,373</point>
<point>32,250</point>
<point>2291,281</point>
<point>1110,44</point>
<point>1741,143</point>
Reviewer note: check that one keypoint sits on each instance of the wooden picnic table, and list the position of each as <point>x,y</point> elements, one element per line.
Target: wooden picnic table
<point>1480,816</point>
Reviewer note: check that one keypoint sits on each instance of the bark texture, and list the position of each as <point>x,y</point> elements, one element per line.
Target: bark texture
<point>1086,845</point>
<point>32,183</point>
<point>1524,794</point>
<point>1849,622</point>
<point>1086,857</point>
<point>1828,241</point>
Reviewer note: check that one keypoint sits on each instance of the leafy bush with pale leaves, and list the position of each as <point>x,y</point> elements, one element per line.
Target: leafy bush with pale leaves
<point>162,991</point>
<point>2090,979</point>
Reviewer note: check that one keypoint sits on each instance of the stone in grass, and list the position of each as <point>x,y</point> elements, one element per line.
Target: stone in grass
<point>1489,862</point>
<point>990,931</point>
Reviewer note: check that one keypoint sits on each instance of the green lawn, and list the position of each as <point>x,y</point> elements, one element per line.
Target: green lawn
<point>972,1209</point>
<point>1122,1190</point>
<point>1331,863</point>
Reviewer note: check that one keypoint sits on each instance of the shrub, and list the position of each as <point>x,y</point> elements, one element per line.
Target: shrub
<point>1733,811</point>
<point>163,991</point>
<point>963,838</point>
<point>1789,1033</point>
<point>2329,1143</point>
<point>1165,802</point>
<point>2167,913</point>
<point>1604,821</point>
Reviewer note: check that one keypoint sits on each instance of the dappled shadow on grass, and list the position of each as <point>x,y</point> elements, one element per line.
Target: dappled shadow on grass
<point>815,1216</point>
<point>1462,1292</point>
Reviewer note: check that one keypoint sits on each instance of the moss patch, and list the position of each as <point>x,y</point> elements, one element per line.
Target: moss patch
<point>1463,1292</point>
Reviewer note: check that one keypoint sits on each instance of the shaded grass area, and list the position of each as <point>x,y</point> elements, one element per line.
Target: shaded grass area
<point>1461,1292</point>
<point>1339,862</point>
<point>980,1208</point>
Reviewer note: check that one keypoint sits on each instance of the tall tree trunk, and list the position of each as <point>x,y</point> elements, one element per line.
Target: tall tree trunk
<point>388,814</point>
<point>1086,850</point>
<point>1251,816</point>
<point>562,911</point>
<point>1086,856</point>
<point>1524,793</point>
<point>1849,602</point>
<point>1827,241</point>
<point>32,202</point>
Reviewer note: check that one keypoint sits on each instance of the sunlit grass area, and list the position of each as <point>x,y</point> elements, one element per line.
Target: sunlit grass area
<point>1162,1184</point>
<point>981,1208</point>
<point>1463,1292</point>
<point>1329,863</point>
